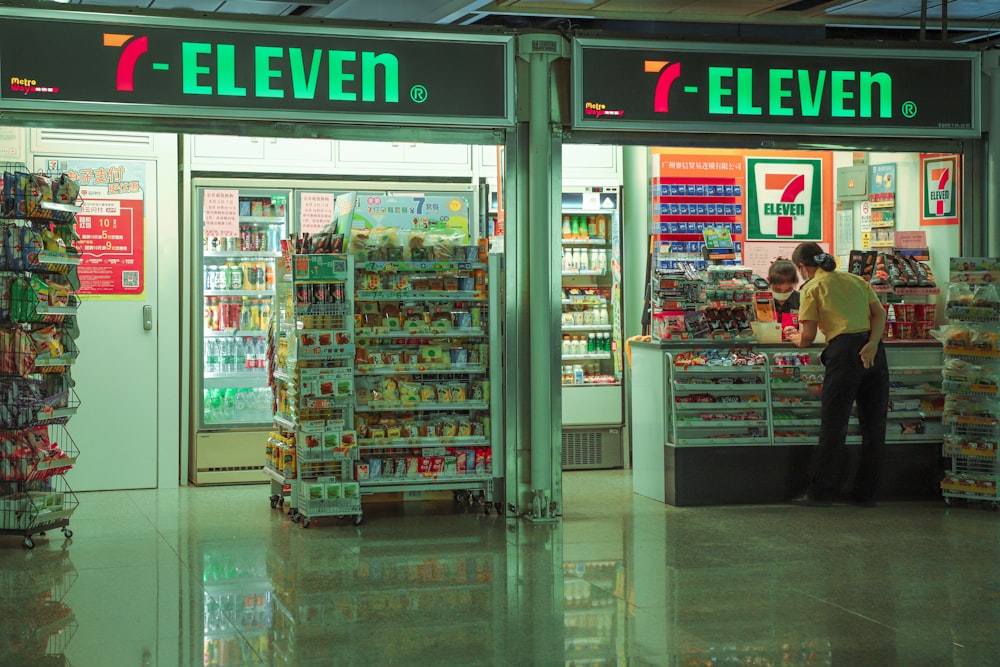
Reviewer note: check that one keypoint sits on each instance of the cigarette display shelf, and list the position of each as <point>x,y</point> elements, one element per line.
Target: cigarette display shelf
<point>426,360</point>
<point>311,451</point>
<point>970,414</point>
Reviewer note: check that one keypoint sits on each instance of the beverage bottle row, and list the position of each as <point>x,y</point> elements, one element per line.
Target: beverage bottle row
<point>252,238</point>
<point>240,275</point>
<point>585,227</point>
<point>232,355</point>
<point>228,313</point>
<point>582,259</point>
<point>243,404</point>
<point>593,343</point>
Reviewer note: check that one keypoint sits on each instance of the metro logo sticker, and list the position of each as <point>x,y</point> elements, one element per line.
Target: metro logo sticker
<point>785,199</point>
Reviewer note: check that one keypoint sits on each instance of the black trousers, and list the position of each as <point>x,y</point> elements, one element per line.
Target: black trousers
<point>846,382</point>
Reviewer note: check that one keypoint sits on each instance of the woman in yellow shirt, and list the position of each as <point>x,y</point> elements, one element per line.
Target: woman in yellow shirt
<point>850,315</point>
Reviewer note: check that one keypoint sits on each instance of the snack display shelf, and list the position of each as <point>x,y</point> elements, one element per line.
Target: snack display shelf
<point>736,441</point>
<point>803,405</point>
<point>741,405</point>
<point>428,369</point>
<point>721,423</point>
<point>586,357</point>
<point>248,254</point>
<point>456,482</point>
<point>719,369</point>
<point>407,295</point>
<point>584,302</point>
<point>409,443</point>
<point>417,267</point>
<point>55,257</point>
<point>703,386</point>
<point>467,332</point>
<point>915,391</point>
<point>43,309</point>
<point>239,292</point>
<point>234,333</point>
<point>968,389</point>
<point>460,406</point>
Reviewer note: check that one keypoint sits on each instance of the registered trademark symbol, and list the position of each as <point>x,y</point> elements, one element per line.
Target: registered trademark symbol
<point>909,108</point>
<point>418,94</point>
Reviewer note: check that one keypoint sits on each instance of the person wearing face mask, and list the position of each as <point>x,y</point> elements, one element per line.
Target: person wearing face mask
<point>846,309</point>
<point>783,278</point>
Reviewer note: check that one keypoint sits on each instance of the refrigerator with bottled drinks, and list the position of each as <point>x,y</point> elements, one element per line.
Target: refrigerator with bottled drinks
<point>236,269</point>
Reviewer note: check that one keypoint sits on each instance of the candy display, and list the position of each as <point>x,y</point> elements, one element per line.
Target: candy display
<point>739,356</point>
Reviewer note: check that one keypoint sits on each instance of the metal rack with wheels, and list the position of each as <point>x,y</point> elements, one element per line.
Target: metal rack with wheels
<point>970,381</point>
<point>38,328</point>
<point>312,450</point>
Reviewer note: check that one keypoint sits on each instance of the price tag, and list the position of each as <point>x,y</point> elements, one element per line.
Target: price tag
<point>866,240</point>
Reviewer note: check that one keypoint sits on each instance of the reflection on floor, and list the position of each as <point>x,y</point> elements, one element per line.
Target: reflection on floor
<point>215,577</point>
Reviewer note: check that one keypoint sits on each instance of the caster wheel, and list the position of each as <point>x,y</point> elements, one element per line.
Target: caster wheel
<point>459,497</point>
<point>358,519</point>
<point>305,523</point>
<point>296,518</point>
<point>67,533</point>
<point>947,501</point>
<point>29,543</point>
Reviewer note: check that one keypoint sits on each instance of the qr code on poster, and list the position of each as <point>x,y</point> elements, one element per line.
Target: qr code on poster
<point>130,279</point>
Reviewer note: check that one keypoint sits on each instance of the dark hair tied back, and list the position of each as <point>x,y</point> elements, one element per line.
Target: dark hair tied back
<point>811,254</point>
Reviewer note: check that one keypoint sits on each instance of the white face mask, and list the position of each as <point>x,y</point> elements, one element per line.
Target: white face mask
<point>782,296</point>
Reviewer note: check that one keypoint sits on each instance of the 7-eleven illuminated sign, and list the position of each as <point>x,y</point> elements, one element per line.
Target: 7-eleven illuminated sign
<point>784,199</point>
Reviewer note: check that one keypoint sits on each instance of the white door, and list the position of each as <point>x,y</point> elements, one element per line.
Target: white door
<point>116,378</point>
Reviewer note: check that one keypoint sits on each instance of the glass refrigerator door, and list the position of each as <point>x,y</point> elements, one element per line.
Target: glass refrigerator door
<point>238,280</point>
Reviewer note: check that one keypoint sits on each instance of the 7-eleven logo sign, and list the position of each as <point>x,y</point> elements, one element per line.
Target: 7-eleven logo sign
<point>939,188</point>
<point>785,199</point>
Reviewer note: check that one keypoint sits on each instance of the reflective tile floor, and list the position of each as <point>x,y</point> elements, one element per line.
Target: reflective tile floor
<point>213,576</point>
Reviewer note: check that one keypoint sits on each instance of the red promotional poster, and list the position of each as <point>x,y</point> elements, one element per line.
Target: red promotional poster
<point>111,225</point>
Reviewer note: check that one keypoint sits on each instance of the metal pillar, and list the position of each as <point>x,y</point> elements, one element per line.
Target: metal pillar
<point>537,281</point>
<point>988,242</point>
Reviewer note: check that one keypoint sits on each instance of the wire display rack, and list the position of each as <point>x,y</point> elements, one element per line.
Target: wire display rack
<point>38,332</point>
<point>971,373</point>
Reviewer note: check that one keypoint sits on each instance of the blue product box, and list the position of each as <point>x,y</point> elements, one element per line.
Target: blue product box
<point>728,190</point>
<point>685,209</point>
<point>738,209</point>
<point>699,227</point>
<point>710,209</point>
<point>693,246</point>
<point>672,209</point>
<point>675,190</point>
<point>709,190</point>
<point>727,209</point>
<point>737,190</point>
<point>739,246</point>
<point>739,228</point>
<point>702,209</point>
<point>663,190</point>
<point>690,190</point>
<point>699,190</point>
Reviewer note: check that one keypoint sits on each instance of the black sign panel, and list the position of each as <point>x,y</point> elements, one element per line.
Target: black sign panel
<point>201,70</point>
<point>721,88</point>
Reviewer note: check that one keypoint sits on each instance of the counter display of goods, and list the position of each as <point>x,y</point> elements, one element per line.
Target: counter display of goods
<point>970,378</point>
<point>38,331</point>
<point>765,400</point>
<point>712,304</point>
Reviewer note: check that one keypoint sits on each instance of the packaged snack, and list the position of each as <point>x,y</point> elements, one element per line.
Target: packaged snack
<point>444,393</point>
<point>450,466</point>
<point>416,249</point>
<point>361,471</point>
<point>449,428</point>
<point>40,190</point>
<point>480,462</point>
<point>388,467</point>
<point>409,392</point>
<point>427,393</point>
<point>458,394</point>
<point>390,389</point>
<point>464,429</point>
<point>351,490</point>
<point>375,467</point>
<point>907,269</point>
<point>444,243</point>
<point>334,490</point>
<point>316,492</point>
<point>22,182</point>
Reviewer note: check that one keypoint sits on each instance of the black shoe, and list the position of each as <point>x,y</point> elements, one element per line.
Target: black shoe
<point>805,500</point>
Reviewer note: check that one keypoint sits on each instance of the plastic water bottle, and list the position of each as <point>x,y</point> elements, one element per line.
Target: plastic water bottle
<point>213,405</point>
<point>228,405</point>
<point>211,356</point>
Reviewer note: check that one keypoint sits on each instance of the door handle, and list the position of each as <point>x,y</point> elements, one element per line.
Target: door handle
<point>147,318</point>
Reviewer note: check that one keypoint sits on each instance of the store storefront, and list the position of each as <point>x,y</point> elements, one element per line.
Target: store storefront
<point>279,121</point>
<point>775,145</point>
